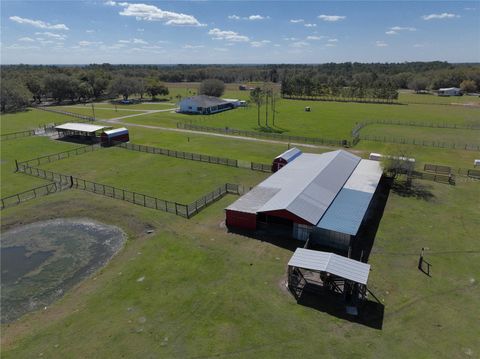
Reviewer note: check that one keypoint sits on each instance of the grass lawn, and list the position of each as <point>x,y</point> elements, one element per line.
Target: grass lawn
<point>412,97</point>
<point>140,106</point>
<point>326,120</point>
<point>99,113</point>
<point>24,149</point>
<point>155,175</point>
<point>30,119</point>
<point>447,135</point>
<point>210,293</point>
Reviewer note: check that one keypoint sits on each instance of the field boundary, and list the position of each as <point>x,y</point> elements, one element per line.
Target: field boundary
<point>269,135</point>
<point>66,113</point>
<point>179,209</point>
<point>59,155</point>
<point>19,134</point>
<point>17,198</point>
<point>339,99</point>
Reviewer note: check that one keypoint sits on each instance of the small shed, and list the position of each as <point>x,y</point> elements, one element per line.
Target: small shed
<point>476,163</point>
<point>375,156</point>
<point>109,137</point>
<point>449,91</point>
<point>309,270</point>
<point>81,131</point>
<point>284,158</point>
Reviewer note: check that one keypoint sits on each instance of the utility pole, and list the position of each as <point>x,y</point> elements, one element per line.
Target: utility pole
<point>93,111</point>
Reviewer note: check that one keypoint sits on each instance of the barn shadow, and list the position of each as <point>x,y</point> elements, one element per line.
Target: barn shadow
<point>276,236</point>
<point>370,313</point>
<point>81,140</point>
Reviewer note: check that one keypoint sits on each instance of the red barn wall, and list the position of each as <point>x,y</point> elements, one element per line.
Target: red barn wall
<point>241,220</point>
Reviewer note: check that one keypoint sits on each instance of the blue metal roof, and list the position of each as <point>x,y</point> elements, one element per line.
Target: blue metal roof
<point>290,154</point>
<point>346,213</point>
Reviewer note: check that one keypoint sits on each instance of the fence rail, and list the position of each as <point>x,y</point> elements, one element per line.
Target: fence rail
<point>179,154</point>
<point>18,198</point>
<point>342,99</point>
<point>446,125</point>
<point>66,113</point>
<point>59,156</point>
<point>437,169</point>
<point>13,135</point>
<point>183,210</point>
<point>261,167</point>
<point>269,135</point>
<point>442,178</point>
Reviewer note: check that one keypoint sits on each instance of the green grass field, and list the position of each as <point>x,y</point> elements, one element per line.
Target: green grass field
<point>209,293</point>
<point>28,120</point>
<point>100,113</point>
<point>160,176</point>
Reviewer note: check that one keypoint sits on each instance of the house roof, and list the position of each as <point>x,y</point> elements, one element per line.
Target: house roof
<point>332,190</point>
<point>449,88</point>
<point>80,127</point>
<point>332,263</point>
<point>207,101</point>
<point>290,154</point>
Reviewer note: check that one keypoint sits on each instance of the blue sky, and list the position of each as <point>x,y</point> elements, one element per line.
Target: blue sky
<point>171,32</point>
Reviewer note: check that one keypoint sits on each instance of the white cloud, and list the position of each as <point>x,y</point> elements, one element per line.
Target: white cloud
<point>89,31</point>
<point>218,34</point>
<point>257,17</point>
<point>140,30</point>
<point>290,38</point>
<point>391,32</point>
<point>418,45</point>
<point>52,35</point>
<point>21,47</point>
<point>299,44</point>
<point>110,3</point>
<point>26,39</point>
<point>139,41</point>
<point>332,40</point>
<point>38,23</point>
<point>188,46</point>
<point>89,43</point>
<point>403,28</point>
<point>296,21</point>
<point>331,45</point>
<point>153,13</point>
<point>221,49</point>
<point>444,15</point>
<point>259,43</point>
<point>331,18</point>
<point>124,41</point>
<point>314,37</point>
<point>310,25</point>
<point>381,44</point>
<point>234,17</point>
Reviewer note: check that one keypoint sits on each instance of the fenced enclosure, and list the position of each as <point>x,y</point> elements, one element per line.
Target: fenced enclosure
<point>413,141</point>
<point>66,113</point>
<point>179,209</point>
<point>441,178</point>
<point>18,198</point>
<point>261,167</point>
<point>437,169</point>
<point>179,154</point>
<point>59,156</point>
<point>472,173</point>
<point>14,135</point>
<point>269,135</point>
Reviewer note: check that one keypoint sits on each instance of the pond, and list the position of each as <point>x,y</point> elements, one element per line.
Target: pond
<point>41,261</point>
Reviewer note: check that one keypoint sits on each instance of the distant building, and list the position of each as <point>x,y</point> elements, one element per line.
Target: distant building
<point>284,158</point>
<point>449,91</point>
<point>205,105</point>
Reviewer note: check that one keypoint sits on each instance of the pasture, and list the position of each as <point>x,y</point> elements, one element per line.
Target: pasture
<point>210,293</point>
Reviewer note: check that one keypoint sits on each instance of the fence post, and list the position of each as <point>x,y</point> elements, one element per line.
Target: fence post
<point>71,181</point>
<point>16,166</point>
<point>176,209</point>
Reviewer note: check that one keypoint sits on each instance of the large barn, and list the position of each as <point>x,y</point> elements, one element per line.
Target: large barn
<point>324,197</point>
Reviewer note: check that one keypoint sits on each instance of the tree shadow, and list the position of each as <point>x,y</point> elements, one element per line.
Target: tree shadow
<point>370,313</point>
<point>271,129</point>
<point>406,188</point>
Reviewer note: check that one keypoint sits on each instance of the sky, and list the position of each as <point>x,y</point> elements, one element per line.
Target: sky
<point>238,32</point>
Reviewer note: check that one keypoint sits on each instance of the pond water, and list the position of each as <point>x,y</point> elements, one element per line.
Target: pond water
<point>42,260</point>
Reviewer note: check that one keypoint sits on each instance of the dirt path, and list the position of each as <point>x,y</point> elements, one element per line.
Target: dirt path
<point>253,139</point>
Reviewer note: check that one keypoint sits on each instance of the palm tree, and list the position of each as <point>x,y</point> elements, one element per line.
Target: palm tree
<point>256,96</point>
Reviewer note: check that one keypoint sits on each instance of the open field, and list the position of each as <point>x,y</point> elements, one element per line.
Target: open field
<point>24,149</point>
<point>326,119</point>
<point>29,119</point>
<point>412,97</point>
<point>140,106</point>
<point>159,176</point>
<point>209,293</point>
<point>100,113</point>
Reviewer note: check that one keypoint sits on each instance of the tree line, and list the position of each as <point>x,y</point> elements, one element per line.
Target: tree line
<point>22,84</point>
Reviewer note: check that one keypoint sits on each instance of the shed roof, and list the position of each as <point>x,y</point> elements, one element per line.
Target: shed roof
<point>207,101</point>
<point>329,262</point>
<point>80,127</point>
<point>116,131</point>
<point>308,185</point>
<point>290,154</point>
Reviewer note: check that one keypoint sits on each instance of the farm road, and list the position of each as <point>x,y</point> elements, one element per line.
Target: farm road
<point>118,120</point>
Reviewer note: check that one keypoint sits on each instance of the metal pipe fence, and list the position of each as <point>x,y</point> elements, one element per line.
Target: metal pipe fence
<point>66,113</point>
<point>179,209</point>
<point>179,154</point>
<point>269,135</point>
<point>18,198</point>
<point>60,155</point>
<point>261,167</point>
<point>14,135</point>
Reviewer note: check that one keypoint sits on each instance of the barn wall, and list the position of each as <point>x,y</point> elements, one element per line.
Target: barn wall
<point>241,220</point>
<point>327,238</point>
<point>286,215</point>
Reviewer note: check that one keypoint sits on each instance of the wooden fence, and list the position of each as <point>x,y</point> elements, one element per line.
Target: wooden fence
<point>442,178</point>
<point>269,135</point>
<point>179,154</point>
<point>437,169</point>
<point>66,113</point>
<point>342,99</point>
<point>183,210</point>
<point>261,167</point>
<point>14,135</point>
<point>18,198</point>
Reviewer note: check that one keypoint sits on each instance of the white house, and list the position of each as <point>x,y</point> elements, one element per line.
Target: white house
<point>204,104</point>
<point>449,91</point>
